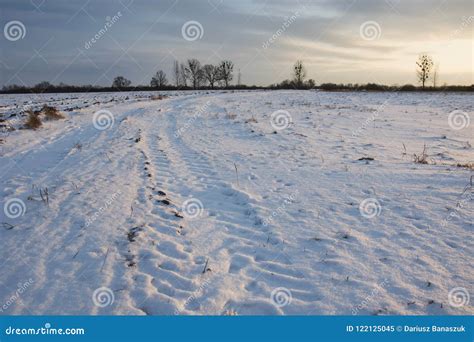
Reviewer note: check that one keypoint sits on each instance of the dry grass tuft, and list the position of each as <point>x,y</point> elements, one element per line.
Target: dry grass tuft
<point>231,116</point>
<point>421,158</point>
<point>33,121</point>
<point>469,166</point>
<point>51,113</point>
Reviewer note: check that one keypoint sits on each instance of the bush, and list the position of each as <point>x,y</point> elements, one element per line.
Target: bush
<point>408,87</point>
<point>329,86</point>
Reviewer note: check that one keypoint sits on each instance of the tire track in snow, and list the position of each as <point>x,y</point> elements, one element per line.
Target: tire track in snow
<point>245,249</point>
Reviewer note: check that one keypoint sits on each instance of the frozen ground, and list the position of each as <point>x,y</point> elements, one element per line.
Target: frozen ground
<point>196,204</point>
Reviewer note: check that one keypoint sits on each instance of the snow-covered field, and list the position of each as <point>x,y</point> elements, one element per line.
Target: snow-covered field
<point>238,203</point>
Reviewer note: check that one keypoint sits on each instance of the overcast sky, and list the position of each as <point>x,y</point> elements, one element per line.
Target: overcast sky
<point>349,41</point>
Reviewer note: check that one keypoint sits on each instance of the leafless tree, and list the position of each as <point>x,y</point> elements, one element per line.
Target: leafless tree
<point>299,73</point>
<point>211,74</point>
<point>183,75</point>
<point>159,80</point>
<point>44,85</point>
<point>121,82</point>
<point>194,72</point>
<point>425,64</point>
<point>226,69</point>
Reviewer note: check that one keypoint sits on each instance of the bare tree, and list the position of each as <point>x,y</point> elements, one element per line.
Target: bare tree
<point>44,85</point>
<point>211,74</point>
<point>310,83</point>
<point>183,75</point>
<point>194,72</point>
<point>299,73</point>
<point>159,80</point>
<point>121,82</point>
<point>176,73</point>
<point>425,64</point>
<point>226,69</point>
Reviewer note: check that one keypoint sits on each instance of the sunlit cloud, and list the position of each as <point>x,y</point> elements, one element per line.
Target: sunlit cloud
<point>325,35</point>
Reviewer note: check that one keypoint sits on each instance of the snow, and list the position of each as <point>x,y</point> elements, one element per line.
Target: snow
<point>197,204</point>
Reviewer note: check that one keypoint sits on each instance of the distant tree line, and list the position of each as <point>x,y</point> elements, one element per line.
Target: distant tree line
<point>381,87</point>
<point>425,72</point>
<point>193,75</point>
<point>64,88</point>
<point>188,75</point>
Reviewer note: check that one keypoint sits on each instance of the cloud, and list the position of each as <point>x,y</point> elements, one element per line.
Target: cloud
<point>148,36</point>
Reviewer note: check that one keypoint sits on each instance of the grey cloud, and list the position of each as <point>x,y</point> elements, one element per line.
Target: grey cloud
<point>327,31</point>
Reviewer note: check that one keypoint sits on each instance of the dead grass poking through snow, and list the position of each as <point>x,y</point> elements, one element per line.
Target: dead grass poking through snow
<point>158,97</point>
<point>251,120</point>
<point>469,166</point>
<point>230,116</point>
<point>421,158</point>
<point>33,121</point>
<point>51,113</point>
